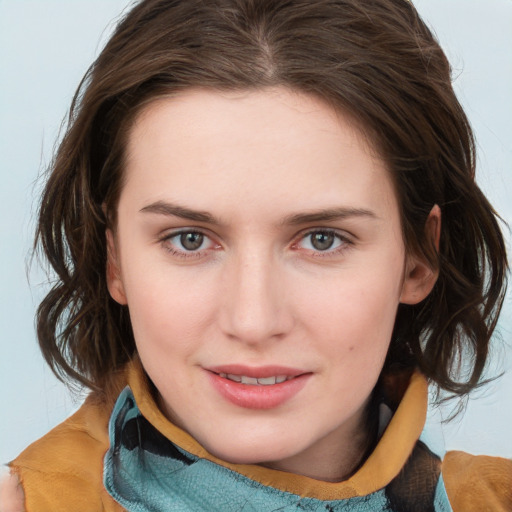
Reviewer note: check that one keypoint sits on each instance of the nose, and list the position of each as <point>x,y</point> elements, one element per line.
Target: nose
<point>255,306</point>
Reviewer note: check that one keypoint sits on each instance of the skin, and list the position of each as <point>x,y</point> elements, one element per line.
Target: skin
<point>257,165</point>
<point>11,494</point>
<point>258,292</point>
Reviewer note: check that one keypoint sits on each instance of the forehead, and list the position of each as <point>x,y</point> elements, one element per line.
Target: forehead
<point>279,112</point>
<point>272,146</point>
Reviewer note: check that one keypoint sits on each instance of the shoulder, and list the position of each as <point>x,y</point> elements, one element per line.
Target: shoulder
<point>75,440</point>
<point>11,494</point>
<point>64,469</point>
<point>478,482</point>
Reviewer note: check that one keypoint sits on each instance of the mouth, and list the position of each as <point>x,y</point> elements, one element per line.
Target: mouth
<point>256,376</point>
<point>258,388</point>
<point>255,381</point>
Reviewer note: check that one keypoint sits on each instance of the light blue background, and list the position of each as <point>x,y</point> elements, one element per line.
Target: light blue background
<point>46,46</point>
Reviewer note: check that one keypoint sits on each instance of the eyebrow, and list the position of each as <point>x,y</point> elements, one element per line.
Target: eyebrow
<point>323,215</point>
<point>329,214</point>
<point>169,209</point>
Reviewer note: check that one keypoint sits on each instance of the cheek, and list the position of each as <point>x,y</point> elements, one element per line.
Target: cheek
<point>355,315</point>
<point>167,308</point>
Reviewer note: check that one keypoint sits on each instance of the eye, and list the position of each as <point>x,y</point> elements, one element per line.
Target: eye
<point>322,240</point>
<point>188,243</point>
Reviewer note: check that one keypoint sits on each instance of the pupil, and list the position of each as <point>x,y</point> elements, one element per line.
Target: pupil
<point>322,241</point>
<point>191,241</point>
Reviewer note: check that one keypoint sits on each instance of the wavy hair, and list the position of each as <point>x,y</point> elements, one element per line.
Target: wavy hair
<point>377,61</point>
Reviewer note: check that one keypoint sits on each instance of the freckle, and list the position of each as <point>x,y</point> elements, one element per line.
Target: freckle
<point>351,348</point>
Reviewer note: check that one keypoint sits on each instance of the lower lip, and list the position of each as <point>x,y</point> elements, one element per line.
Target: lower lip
<point>255,396</point>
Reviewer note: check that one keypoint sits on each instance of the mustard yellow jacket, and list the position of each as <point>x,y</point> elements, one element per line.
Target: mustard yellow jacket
<point>63,471</point>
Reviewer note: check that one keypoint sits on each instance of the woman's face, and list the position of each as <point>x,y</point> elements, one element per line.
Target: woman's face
<point>259,251</point>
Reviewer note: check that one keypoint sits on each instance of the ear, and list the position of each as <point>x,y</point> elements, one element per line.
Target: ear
<point>420,277</point>
<point>114,280</point>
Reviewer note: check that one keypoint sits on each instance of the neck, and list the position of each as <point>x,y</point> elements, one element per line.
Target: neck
<point>339,454</point>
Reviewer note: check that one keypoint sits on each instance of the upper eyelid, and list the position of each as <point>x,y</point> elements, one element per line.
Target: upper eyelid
<point>166,236</point>
<point>347,241</point>
<point>341,233</point>
<point>171,233</point>
<point>165,242</point>
<point>324,230</point>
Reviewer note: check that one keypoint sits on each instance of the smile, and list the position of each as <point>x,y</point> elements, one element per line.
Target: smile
<point>253,381</point>
<point>257,388</point>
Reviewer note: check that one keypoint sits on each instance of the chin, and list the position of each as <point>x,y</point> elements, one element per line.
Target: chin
<point>243,452</point>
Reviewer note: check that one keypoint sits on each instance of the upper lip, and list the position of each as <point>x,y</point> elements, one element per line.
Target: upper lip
<point>257,372</point>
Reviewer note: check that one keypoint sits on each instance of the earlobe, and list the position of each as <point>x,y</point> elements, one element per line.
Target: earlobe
<point>420,277</point>
<point>114,281</point>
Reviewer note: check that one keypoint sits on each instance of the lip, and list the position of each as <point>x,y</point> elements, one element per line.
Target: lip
<point>257,372</point>
<point>257,396</point>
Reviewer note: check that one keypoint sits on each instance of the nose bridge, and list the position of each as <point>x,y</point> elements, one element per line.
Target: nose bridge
<point>254,303</point>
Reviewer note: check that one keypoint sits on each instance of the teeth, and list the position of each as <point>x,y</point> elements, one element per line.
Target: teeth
<point>249,380</point>
<point>263,381</point>
<point>267,381</point>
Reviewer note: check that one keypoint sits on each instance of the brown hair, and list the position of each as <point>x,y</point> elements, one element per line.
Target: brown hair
<point>374,59</point>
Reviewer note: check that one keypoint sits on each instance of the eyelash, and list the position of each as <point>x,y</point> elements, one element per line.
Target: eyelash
<point>344,243</point>
<point>184,254</point>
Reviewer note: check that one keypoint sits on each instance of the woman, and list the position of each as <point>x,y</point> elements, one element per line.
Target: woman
<point>264,221</point>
